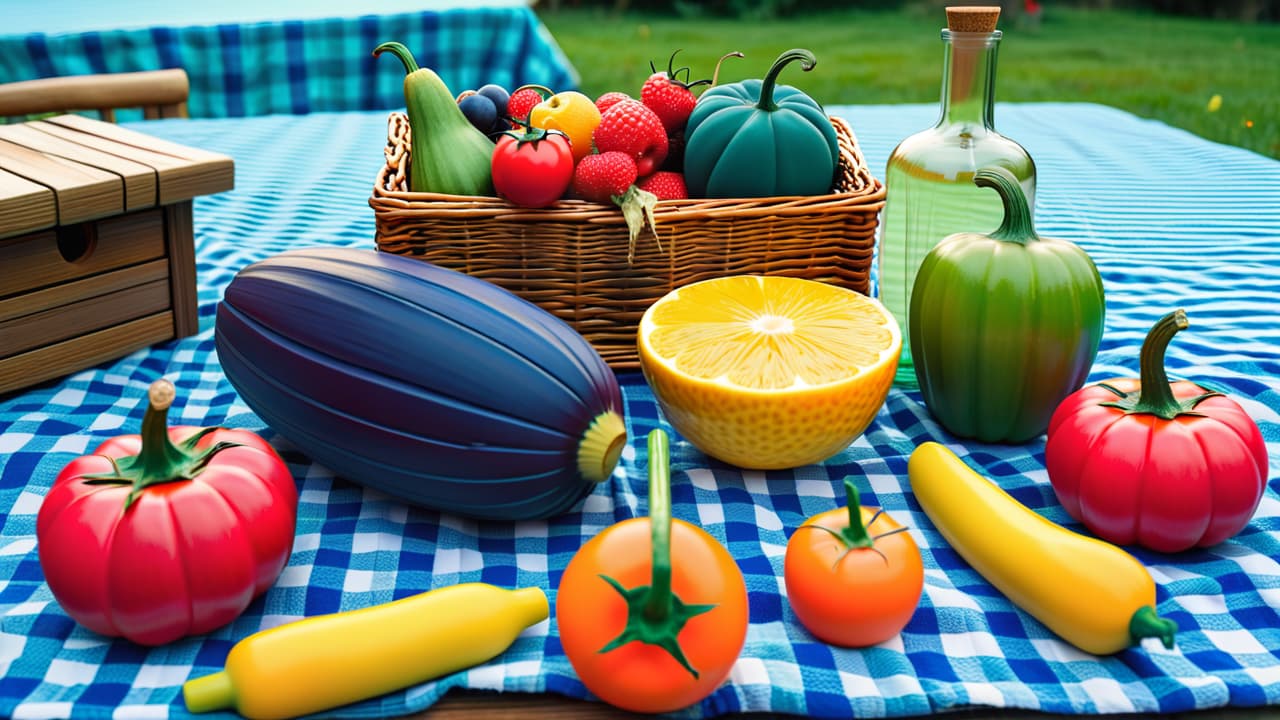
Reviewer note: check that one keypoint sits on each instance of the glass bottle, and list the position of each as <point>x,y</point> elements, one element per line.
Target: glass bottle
<point>929,190</point>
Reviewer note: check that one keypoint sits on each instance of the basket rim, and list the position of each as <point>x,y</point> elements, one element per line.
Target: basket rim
<point>871,193</point>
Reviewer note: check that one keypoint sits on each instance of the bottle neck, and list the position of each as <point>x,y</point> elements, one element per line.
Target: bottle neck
<point>969,78</point>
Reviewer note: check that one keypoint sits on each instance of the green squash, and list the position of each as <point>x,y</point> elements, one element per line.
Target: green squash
<point>758,139</point>
<point>1004,326</point>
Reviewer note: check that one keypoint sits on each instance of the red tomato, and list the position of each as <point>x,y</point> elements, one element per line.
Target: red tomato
<point>619,654</point>
<point>154,556</point>
<point>532,170</point>
<point>1165,465</point>
<point>858,581</point>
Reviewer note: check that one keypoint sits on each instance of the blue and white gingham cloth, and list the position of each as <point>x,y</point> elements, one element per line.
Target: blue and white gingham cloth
<point>1170,219</point>
<point>314,63</point>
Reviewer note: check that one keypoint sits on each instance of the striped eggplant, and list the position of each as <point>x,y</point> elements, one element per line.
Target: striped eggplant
<point>431,385</point>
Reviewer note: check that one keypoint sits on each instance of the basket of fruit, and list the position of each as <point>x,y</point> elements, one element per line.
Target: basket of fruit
<point>594,210</point>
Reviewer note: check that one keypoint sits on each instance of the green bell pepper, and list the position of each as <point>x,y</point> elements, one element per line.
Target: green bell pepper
<point>1004,326</point>
<point>756,138</point>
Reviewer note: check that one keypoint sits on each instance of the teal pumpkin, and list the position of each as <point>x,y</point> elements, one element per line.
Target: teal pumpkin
<point>1004,326</point>
<point>756,138</point>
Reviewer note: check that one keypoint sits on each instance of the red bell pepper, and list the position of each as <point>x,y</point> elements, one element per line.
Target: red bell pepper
<point>1165,465</point>
<point>169,533</point>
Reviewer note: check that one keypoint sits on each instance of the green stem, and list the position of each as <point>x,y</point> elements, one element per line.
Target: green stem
<point>1017,225</point>
<point>400,51</point>
<point>1155,395</point>
<point>807,63</point>
<point>1146,623</point>
<point>655,615</point>
<point>658,605</point>
<point>159,460</point>
<point>856,535</point>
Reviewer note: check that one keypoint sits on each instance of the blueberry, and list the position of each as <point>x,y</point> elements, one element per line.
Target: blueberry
<point>480,111</point>
<point>497,94</point>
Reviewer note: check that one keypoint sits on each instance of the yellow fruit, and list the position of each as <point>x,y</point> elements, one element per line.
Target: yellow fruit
<point>573,114</point>
<point>768,372</point>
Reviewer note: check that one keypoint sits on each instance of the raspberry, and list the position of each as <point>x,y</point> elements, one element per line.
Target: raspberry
<point>632,128</point>
<point>666,185</point>
<point>667,96</point>
<point>609,99</point>
<point>600,177</point>
<point>523,100</point>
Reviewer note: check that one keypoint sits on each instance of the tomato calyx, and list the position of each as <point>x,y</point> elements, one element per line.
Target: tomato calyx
<point>530,135</point>
<point>655,615</point>
<point>159,460</point>
<point>673,74</point>
<point>854,536</point>
<point>1154,395</point>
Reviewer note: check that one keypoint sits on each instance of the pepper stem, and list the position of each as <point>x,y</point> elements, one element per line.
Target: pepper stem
<point>1017,225</point>
<point>807,63</point>
<point>655,615</point>
<point>159,460</point>
<point>715,76</point>
<point>400,51</point>
<point>1155,395</point>
<point>1146,623</point>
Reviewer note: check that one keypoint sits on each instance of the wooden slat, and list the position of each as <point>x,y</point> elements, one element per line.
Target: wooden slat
<point>139,180</point>
<point>24,206</point>
<point>82,192</point>
<point>93,92</point>
<point>85,351</point>
<point>197,172</point>
<point>32,261</point>
<point>95,286</point>
<point>180,236</point>
<point>63,323</point>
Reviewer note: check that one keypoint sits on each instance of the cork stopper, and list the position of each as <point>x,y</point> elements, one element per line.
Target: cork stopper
<point>973,18</point>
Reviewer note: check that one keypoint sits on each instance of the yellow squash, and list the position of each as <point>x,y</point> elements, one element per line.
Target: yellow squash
<point>1091,593</point>
<point>326,661</point>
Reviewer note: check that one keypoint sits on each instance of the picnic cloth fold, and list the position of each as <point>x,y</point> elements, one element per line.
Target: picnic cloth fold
<point>1171,221</point>
<point>308,61</point>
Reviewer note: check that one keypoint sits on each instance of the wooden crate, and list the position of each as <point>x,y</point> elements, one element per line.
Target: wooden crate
<point>97,255</point>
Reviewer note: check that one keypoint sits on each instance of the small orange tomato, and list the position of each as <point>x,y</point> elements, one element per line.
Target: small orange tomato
<point>652,612</point>
<point>853,575</point>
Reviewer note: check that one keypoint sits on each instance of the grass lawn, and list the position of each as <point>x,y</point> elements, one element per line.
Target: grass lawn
<point>1167,68</point>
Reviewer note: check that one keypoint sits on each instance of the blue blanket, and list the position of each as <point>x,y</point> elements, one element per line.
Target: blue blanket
<point>1171,221</point>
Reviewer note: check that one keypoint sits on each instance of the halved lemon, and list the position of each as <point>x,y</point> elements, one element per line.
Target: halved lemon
<point>768,372</point>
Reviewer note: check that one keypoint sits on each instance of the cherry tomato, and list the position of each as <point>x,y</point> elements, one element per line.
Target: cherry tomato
<point>645,633</point>
<point>533,169</point>
<point>853,575</point>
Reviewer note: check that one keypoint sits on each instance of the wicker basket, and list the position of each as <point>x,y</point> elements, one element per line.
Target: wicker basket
<point>571,258</point>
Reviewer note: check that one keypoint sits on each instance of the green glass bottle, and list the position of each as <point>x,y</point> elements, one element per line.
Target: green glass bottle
<point>929,188</point>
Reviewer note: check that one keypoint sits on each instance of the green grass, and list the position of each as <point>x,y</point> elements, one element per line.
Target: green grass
<point>1166,68</point>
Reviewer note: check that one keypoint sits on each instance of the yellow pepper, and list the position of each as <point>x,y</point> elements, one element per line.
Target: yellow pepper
<point>1091,593</point>
<point>326,661</point>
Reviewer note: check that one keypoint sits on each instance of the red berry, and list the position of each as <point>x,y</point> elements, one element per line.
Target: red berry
<point>601,176</point>
<point>666,185</point>
<point>522,101</point>
<point>609,99</point>
<point>667,96</point>
<point>634,129</point>
<point>672,101</point>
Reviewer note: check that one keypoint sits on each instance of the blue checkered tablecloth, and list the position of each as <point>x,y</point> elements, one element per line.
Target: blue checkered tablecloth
<point>1170,219</point>
<point>284,57</point>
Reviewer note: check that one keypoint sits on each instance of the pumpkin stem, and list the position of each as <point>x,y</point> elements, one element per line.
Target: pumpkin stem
<point>807,63</point>
<point>1154,395</point>
<point>159,460</point>
<point>655,615</point>
<point>1017,225</point>
<point>400,51</point>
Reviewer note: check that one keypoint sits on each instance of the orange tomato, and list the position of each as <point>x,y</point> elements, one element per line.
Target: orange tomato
<point>621,647</point>
<point>853,575</point>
